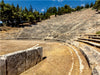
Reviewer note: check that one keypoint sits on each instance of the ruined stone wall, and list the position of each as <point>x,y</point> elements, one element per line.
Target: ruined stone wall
<point>17,62</point>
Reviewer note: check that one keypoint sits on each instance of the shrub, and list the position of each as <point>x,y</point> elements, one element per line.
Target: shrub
<point>98,32</point>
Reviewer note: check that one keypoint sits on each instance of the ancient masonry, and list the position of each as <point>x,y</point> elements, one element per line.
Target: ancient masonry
<point>17,62</point>
<point>89,50</point>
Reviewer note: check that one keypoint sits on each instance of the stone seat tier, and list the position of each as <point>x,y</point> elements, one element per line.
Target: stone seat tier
<point>92,40</point>
<point>90,43</point>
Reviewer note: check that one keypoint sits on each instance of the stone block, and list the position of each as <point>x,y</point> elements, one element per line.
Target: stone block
<point>16,62</point>
<point>30,58</point>
<point>33,56</point>
<point>3,66</point>
<point>38,54</point>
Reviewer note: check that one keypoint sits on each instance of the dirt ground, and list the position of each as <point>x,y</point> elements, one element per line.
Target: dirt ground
<point>60,59</point>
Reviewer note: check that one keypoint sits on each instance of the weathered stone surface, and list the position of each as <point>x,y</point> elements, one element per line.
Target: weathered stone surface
<point>63,27</point>
<point>16,62</point>
<point>2,65</point>
<point>93,57</point>
<point>30,58</point>
<point>33,56</point>
<point>94,72</point>
<point>40,54</point>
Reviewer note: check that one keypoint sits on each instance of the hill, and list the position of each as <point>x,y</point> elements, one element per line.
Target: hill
<point>63,27</point>
<point>78,57</point>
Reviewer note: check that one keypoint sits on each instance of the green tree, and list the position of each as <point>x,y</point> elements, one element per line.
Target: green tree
<point>87,6</point>
<point>67,9</point>
<point>82,7</point>
<point>78,8</point>
<point>26,11</point>
<point>30,9</point>
<point>47,15</point>
<point>17,8</point>
<point>37,16</point>
<point>2,10</point>
<point>54,10</point>
<point>59,11</point>
<point>91,5</point>
<point>31,17</point>
<point>97,5</point>
<point>50,10</point>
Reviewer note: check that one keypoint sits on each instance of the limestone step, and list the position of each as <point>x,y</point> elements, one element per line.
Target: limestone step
<point>93,57</point>
<point>92,40</point>
<point>95,37</point>
<point>90,43</point>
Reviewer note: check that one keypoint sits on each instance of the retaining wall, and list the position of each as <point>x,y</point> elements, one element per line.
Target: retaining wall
<point>17,62</point>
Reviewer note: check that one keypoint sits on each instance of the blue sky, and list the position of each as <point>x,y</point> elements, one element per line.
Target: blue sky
<point>43,5</point>
<point>48,0</point>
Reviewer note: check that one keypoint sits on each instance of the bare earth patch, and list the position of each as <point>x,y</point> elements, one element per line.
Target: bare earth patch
<point>60,59</point>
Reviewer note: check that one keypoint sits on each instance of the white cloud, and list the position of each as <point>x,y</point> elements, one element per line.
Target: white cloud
<point>83,5</point>
<point>42,10</point>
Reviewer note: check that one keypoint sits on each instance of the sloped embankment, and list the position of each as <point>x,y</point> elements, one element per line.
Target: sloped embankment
<point>62,27</point>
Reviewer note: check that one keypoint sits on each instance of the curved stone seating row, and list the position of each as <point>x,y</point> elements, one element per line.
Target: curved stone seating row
<point>93,58</point>
<point>45,39</point>
<point>95,36</point>
<point>28,38</point>
<point>90,43</point>
<point>92,40</point>
<point>17,62</point>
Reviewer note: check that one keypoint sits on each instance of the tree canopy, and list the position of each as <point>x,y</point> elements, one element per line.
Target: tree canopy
<point>13,16</point>
<point>97,5</point>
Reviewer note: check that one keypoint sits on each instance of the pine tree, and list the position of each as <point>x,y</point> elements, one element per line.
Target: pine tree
<point>78,8</point>
<point>97,5</point>
<point>87,6</point>
<point>91,5</point>
<point>17,7</point>
<point>31,9</point>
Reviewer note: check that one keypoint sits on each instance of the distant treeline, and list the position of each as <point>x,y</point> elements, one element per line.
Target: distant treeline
<point>97,5</point>
<point>13,16</point>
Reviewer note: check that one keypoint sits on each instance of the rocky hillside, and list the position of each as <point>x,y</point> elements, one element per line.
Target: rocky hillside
<point>63,27</point>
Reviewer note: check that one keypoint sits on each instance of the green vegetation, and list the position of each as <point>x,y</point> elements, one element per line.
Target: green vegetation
<point>98,32</point>
<point>97,5</point>
<point>87,6</point>
<point>13,16</point>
